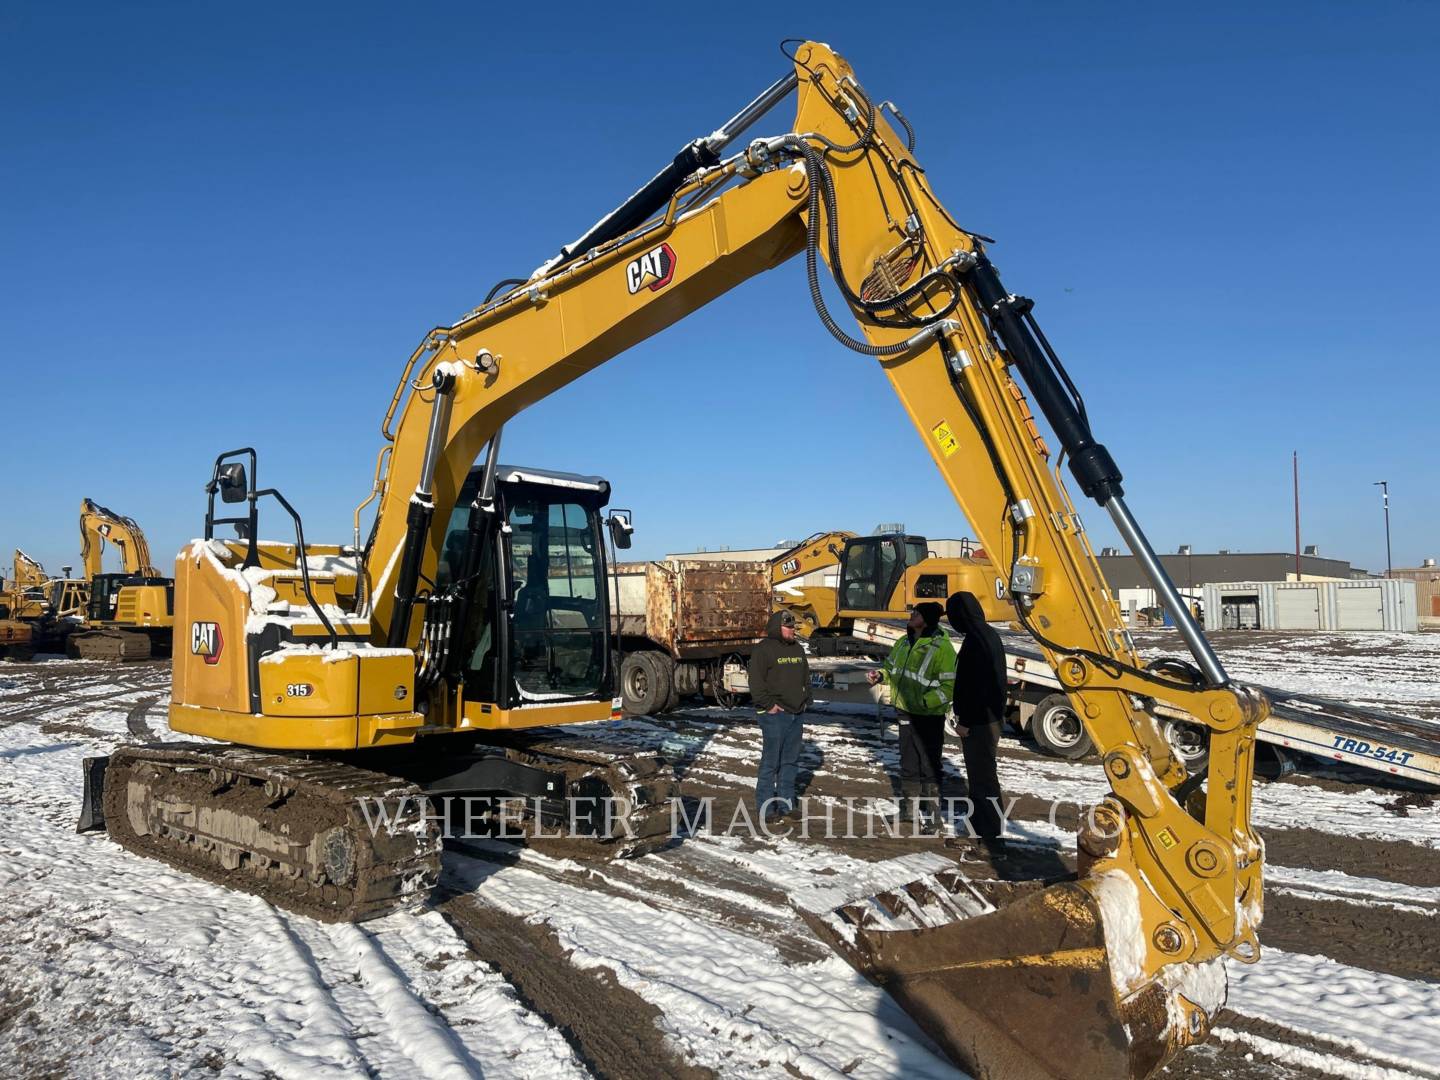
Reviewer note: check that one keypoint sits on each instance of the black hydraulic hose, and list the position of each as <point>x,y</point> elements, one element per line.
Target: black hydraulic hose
<point>499,286</point>
<point>1056,364</point>
<point>815,165</point>
<point>909,131</point>
<point>817,174</point>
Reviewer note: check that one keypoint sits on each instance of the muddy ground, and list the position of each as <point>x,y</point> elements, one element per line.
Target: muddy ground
<point>850,755</point>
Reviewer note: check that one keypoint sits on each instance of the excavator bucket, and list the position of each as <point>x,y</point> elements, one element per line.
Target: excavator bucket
<point>1021,979</point>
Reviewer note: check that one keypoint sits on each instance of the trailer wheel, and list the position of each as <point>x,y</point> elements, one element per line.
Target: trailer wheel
<point>641,691</point>
<point>1191,743</point>
<point>662,671</point>
<point>686,679</point>
<point>1058,729</point>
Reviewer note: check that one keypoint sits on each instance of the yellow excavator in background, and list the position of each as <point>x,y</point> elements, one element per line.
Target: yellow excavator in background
<point>28,573</point>
<point>130,615</point>
<point>39,612</point>
<point>881,576</point>
<point>350,680</point>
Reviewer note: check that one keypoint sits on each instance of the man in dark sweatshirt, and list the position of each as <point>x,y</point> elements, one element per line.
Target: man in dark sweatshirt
<point>980,688</point>
<point>780,688</point>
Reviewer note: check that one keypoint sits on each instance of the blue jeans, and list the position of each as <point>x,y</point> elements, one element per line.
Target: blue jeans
<point>779,757</point>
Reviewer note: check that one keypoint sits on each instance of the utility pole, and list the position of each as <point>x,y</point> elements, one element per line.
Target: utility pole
<point>1295,463</point>
<point>1385,494</point>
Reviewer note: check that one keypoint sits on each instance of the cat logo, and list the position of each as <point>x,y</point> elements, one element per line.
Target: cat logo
<point>789,566</point>
<point>652,271</point>
<point>206,641</point>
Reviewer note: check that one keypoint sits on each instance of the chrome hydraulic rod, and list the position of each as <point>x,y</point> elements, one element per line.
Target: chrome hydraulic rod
<point>729,131</point>
<point>702,153</point>
<point>1160,581</point>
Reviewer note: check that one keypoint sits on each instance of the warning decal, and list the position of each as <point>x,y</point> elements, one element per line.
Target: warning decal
<point>945,437</point>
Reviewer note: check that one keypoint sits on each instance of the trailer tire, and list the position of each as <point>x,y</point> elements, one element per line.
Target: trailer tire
<point>641,692</point>
<point>662,669</point>
<point>686,679</point>
<point>1191,743</point>
<point>1058,729</point>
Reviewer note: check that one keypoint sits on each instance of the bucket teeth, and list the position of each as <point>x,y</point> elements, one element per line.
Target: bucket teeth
<point>1013,979</point>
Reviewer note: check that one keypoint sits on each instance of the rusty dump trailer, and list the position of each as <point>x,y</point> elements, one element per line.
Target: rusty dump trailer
<point>680,622</point>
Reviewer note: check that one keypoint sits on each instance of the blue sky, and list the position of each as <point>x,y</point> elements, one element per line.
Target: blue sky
<point>230,225</point>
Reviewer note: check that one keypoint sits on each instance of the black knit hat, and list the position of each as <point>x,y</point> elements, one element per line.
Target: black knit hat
<point>930,612</point>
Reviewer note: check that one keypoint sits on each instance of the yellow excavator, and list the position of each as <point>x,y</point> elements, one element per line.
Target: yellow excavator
<point>880,576</point>
<point>130,614</point>
<point>28,572</point>
<point>348,680</point>
<point>38,612</point>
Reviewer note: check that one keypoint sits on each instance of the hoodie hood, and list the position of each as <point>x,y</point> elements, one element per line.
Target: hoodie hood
<point>772,628</point>
<point>964,611</point>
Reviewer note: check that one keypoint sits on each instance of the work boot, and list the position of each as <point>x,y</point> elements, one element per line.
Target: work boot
<point>909,792</point>
<point>929,809</point>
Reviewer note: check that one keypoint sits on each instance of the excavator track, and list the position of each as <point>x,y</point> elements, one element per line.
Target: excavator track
<point>314,836</point>
<point>641,788</point>
<point>108,645</point>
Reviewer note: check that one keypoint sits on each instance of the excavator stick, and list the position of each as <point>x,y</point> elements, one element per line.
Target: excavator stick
<point>1020,980</point>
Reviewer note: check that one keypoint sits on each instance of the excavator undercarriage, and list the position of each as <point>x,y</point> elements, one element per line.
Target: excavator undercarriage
<point>341,841</point>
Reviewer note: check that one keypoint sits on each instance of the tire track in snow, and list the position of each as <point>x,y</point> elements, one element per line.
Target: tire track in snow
<point>135,719</point>
<point>395,1011</point>
<point>324,1026</point>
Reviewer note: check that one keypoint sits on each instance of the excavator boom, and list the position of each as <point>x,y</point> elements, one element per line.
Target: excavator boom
<point>98,525</point>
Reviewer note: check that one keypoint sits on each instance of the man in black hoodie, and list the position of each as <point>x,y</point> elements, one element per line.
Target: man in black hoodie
<point>780,688</point>
<point>979,708</point>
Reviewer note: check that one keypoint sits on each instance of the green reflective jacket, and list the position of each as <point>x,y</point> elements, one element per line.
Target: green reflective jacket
<point>921,675</point>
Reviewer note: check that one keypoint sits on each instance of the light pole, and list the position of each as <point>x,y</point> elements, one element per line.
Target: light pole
<point>1385,494</point>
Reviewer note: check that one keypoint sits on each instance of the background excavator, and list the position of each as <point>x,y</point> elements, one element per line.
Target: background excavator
<point>130,615</point>
<point>880,576</point>
<point>38,613</point>
<point>350,680</point>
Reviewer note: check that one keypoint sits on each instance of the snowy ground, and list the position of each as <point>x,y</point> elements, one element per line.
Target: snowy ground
<point>686,962</point>
<point>1395,672</point>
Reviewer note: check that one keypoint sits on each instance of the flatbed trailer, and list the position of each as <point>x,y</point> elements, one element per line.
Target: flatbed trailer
<point>1370,739</point>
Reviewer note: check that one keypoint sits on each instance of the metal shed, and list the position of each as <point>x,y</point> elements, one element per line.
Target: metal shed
<point>1365,604</point>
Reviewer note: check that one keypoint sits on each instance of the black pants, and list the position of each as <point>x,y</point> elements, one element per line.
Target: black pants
<point>921,739</point>
<point>982,778</point>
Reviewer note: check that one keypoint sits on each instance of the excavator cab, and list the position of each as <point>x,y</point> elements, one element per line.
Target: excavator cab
<point>521,582</point>
<point>872,567</point>
<point>104,594</point>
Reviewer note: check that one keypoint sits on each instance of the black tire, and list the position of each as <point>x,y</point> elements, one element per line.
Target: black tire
<point>1191,743</point>
<point>686,680</point>
<point>1058,730</point>
<point>641,689</point>
<point>662,670</point>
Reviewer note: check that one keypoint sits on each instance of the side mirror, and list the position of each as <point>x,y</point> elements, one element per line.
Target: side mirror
<point>620,529</point>
<point>234,487</point>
